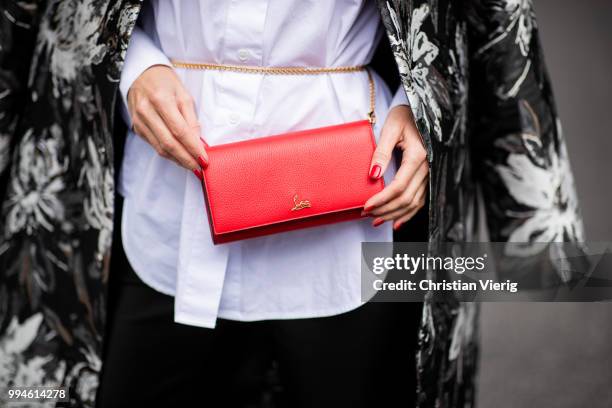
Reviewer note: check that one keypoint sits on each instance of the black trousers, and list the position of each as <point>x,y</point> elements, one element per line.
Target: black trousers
<point>363,358</point>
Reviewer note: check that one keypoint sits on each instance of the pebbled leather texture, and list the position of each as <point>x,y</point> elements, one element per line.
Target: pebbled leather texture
<point>250,187</point>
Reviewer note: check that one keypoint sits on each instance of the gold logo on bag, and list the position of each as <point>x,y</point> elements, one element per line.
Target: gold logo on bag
<point>300,204</point>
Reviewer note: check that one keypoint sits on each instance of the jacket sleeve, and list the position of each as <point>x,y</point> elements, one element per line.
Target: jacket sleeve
<point>18,29</point>
<point>519,154</point>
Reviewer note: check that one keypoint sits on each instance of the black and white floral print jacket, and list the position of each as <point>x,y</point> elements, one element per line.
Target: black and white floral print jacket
<point>476,81</point>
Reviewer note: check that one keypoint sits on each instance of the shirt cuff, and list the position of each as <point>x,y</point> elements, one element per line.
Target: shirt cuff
<point>399,98</point>
<point>142,53</point>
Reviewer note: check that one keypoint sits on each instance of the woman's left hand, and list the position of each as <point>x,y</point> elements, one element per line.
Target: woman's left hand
<point>400,200</point>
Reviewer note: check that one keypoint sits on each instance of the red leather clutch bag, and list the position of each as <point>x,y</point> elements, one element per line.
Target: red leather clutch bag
<point>290,181</point>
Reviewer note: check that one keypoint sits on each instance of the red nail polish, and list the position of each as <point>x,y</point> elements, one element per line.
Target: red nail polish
<point>198,173</point>
<point>375,172</point>
<point>204,142</point>
<point>203,163</point>
<point>398,226</point>
<point>377,222</point>
<point>368,208</point>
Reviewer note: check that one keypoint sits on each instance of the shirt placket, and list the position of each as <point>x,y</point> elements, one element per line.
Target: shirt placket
<point>236,96</point>
<point>237,93</point>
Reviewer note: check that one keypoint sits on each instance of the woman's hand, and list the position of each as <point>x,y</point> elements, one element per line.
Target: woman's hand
<point>405,195</point>
<point>163,113</point>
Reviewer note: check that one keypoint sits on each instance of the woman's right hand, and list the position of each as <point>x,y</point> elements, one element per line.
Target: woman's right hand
<point>163,113</point>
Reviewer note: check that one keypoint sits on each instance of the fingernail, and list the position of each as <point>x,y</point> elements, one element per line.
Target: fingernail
<point>204,142</point>
<point>398,226</point>
<point>368,208</point>
<point>198,173</point>
<point>377,222</point>
<point>363,213</point>
<point>375,172</point>
<point>203,162</point>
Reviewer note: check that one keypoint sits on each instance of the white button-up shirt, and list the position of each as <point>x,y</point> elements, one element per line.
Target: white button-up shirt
<point>298,274</point>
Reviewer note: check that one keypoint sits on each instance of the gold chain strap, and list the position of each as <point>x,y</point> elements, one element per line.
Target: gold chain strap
<point>287,71</point>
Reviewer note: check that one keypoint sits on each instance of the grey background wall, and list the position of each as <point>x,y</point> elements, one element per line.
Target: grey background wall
<point>560,355</point>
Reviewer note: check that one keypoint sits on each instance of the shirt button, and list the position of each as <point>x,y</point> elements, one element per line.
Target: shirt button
<point>233,119</point>
<point>243,55</point>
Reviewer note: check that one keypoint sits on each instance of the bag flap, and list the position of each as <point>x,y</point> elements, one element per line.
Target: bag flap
<point>286,177</point>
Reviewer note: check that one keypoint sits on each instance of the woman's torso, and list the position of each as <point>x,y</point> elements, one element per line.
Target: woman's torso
<point>303,273</point>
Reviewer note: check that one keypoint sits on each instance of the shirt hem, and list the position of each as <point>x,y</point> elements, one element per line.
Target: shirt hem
<point>207,323</point>
<point>133,264</point>
<point>253,317</point>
